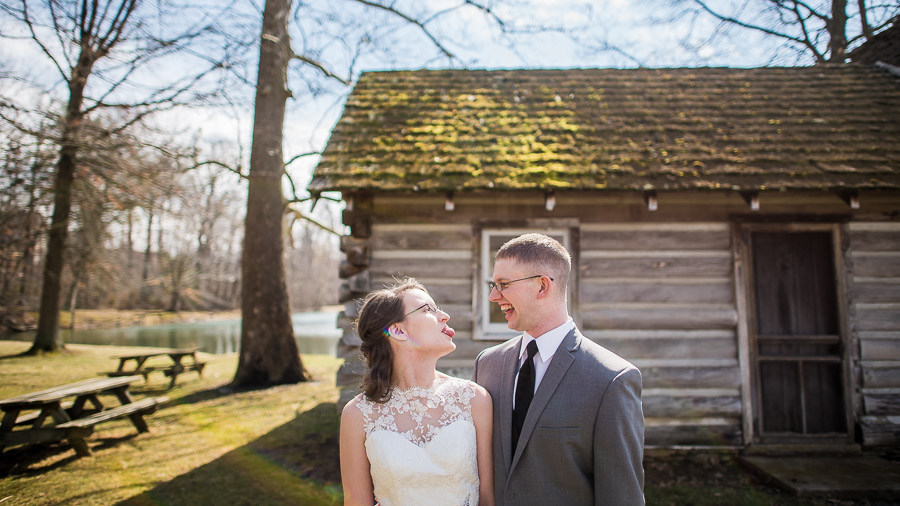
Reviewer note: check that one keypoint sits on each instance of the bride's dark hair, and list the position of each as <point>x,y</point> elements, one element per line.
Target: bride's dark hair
<point>380,310</point>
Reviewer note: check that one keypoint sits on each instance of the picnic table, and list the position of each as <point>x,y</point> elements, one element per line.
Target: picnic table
<point>62,412</point>
<point>172,370</point>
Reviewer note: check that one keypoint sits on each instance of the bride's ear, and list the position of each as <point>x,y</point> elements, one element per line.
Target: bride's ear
<point>396,333</point>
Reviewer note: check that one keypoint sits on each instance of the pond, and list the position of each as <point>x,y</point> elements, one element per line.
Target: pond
<point>316,333</point>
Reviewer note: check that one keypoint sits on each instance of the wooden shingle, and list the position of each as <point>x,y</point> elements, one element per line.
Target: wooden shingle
<point>810,128</point>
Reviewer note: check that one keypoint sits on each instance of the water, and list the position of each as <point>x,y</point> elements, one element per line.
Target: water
<point>316,333</point>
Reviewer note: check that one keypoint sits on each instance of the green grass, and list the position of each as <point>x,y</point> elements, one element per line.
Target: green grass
<point>272,446</point>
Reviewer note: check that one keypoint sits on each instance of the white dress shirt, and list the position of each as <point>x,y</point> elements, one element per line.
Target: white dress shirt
<point>547,345</point>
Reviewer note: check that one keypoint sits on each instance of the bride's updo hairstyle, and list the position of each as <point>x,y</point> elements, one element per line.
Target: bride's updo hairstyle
<point>380,310</point>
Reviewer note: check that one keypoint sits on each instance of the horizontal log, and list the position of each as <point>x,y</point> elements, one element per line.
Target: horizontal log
<point>866,289</point>
<point>422,268</point>
<point>691,407</point>
<point>655,240</point>
<point>874,263</point>
<point>359,221</point>
<point>422,237</point>
<point>351,309</point>
<point>347,269</point>
<point>670,348</point>
<point>875,226</point>
<point>351,338</point>
<point>356,250</point>
<point>654,266</point>
<point>349,296</point>
<point>690,377</point>
<point>607,290</point>
<point>632,334</point>
<point>360,282</point>
<point>872,240</point>
<point>880,430</point>
<point>685,433</point>
<point>882,404</point>
<point>879,349</point>
<point>455,298</point>
<point>870,317</point>
<point>351,371</point>
<point>658,316</point>
<point>881,377</point>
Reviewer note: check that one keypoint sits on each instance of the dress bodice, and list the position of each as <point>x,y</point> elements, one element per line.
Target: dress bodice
<point>421,445</point>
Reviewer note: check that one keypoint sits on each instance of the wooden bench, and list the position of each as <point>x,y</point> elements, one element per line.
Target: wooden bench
<point>34,415</point>
<point>172,371</point>
<point>77,430</point>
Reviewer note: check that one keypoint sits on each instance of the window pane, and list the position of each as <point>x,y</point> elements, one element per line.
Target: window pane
<point>496,239</point>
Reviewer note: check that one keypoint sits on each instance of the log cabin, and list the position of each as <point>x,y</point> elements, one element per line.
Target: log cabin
<point>735,233</point>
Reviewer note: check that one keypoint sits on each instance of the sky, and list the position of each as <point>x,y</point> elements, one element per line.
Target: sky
<point>576,34</point>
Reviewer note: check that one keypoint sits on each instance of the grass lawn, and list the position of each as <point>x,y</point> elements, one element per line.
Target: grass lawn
<point>207,446</point>
<point>272,446</point>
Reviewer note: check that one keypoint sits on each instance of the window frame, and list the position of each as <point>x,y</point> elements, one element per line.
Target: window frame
<point>485,329</point>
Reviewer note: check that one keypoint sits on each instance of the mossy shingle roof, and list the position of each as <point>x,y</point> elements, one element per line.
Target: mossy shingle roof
<point>823,127</point>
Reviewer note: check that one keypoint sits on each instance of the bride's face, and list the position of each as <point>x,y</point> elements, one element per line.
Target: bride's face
<point>425,324</point>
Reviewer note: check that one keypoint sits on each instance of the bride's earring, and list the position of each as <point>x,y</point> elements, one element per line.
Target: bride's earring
<point>396,333</point>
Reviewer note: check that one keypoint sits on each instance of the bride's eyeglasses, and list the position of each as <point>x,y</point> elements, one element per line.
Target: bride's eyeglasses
<point>428,307</point>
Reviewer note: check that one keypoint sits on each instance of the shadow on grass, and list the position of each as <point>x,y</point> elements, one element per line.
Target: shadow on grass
<point>297,463</point>
<point>24,460</point>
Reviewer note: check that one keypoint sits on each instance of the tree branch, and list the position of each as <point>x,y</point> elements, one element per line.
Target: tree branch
<point>301,155</point>
<point>808,43</point>
<point>747,25</point>
<point>321,67</point>
<point>235,170</point>
<point>413,21</point>
<point>300,215</point>
<point>40,44</point>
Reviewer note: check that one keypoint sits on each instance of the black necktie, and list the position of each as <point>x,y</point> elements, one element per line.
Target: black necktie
<point>524,393</point>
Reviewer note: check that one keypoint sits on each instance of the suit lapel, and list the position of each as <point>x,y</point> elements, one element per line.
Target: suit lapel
<point>556,371</point>
<point>510,367</point>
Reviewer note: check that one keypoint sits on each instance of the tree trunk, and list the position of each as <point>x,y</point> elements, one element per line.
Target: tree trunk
<point>269,352</point>
<point>838,41</point>
<point>47,337</point>
<point>145,272</point>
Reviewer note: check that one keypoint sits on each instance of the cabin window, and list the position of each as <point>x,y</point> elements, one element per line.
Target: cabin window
<point>492,324</point>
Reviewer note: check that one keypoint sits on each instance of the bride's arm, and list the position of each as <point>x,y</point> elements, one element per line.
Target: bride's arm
<point>483,415</point>
<point>356,478</point>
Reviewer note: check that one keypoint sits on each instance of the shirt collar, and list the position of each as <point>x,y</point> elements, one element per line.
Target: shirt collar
<point>549,341</point>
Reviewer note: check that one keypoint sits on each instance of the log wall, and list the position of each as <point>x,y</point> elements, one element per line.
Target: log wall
<point>873,263</point>
<point>658,288</point>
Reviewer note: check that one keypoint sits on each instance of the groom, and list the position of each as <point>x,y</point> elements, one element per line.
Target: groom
<point>568,424</point>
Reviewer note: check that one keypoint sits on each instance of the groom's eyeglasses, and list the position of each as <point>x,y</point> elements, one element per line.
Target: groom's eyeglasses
<point>503,285</point>
<point>429,308</point>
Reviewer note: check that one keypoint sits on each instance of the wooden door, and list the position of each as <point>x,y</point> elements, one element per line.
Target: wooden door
<point>798,347</point>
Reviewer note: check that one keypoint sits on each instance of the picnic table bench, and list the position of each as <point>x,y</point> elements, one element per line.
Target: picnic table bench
<point>72,410</point>
<point>172,370</point>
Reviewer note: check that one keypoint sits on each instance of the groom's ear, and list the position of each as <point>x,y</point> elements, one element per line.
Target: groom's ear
<point>545,287</point>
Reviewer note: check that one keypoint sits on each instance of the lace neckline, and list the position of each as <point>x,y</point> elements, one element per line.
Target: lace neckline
<point>417,413</point>
<point>416,390</point>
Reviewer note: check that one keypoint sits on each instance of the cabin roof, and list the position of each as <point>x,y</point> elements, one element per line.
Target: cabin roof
<point>883,46</point>
<point>802,128</point>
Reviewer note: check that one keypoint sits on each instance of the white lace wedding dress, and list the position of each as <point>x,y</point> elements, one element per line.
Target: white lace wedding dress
<point>421,445</point>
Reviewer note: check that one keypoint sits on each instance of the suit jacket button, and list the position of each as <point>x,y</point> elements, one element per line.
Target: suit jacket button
<point>510,494</point>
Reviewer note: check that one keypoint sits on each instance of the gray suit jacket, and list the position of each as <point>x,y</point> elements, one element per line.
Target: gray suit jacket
<point>583,438</point>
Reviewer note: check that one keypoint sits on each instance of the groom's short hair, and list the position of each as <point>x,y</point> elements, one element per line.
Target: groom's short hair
<point>541,251</point>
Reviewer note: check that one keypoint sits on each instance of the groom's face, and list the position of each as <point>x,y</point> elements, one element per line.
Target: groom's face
<point>515,299</point>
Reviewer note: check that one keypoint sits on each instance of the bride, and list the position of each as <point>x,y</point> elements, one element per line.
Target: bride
<point>414,435</point>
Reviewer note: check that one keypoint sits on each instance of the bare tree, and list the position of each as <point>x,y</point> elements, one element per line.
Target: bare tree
<point>334,38</point>
<point>76,37</point>
<point>820,32</point>
<point>269,352</point>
